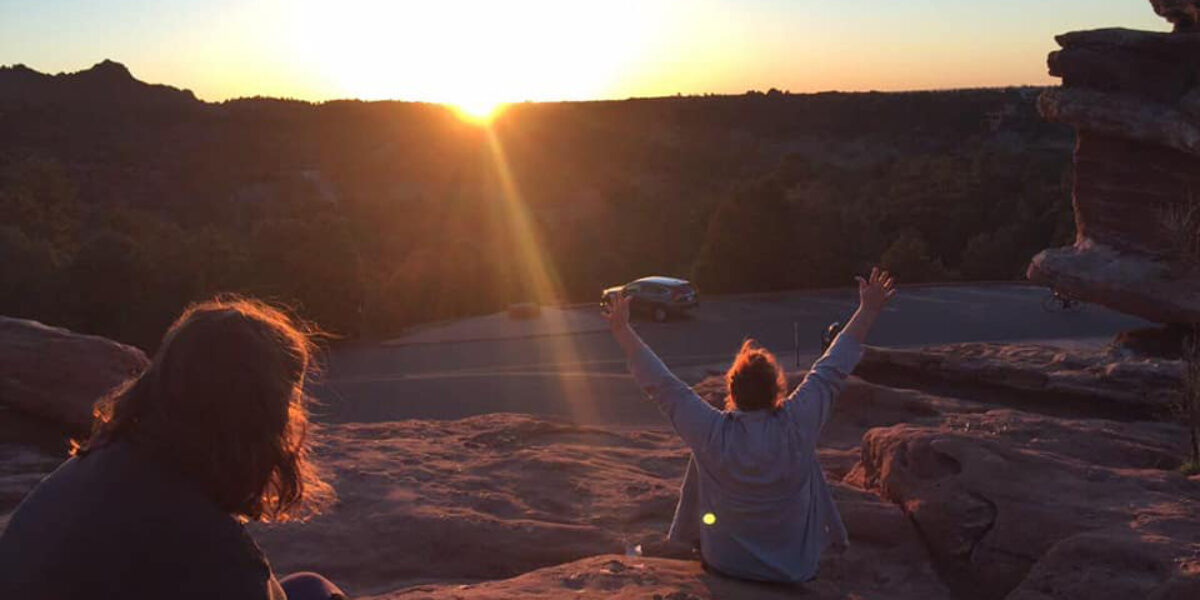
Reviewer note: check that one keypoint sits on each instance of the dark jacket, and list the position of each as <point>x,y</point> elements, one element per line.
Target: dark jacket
<point>116,524</point>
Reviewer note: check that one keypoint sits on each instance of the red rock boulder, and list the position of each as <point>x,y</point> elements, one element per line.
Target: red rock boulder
<point>1007,500</point>
<point>58,374</point>
<point>1134,99</point>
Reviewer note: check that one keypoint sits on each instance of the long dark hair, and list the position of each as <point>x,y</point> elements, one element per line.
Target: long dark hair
<point>223,404</point>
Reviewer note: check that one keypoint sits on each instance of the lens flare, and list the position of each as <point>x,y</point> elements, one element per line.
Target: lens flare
<point>541,281</point>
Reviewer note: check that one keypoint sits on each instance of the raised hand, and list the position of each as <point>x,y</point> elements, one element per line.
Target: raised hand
<point>874,293</point>
<point>617,312</point>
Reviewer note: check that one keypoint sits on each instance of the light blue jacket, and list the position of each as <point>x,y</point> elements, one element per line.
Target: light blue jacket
<point>758,504</point>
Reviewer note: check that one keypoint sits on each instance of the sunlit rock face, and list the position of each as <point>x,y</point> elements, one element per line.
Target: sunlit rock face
<point>1134,99</point>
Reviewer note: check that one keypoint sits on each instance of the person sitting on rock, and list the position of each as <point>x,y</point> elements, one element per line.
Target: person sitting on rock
<point>754,498</point>
<point>151,505</point>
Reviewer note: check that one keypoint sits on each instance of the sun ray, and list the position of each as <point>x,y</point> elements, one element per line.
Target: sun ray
<point>542,281</point>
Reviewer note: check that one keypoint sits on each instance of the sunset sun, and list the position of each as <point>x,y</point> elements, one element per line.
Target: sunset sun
<point>478,110</point>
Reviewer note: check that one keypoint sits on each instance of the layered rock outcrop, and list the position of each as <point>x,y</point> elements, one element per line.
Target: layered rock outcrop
<point>1134,99</point>
<point>1037,377</point>
<point>1014,505</point>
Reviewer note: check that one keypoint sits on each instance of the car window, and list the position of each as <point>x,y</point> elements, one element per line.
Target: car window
<point>654,288</point>
<point>633,287</point>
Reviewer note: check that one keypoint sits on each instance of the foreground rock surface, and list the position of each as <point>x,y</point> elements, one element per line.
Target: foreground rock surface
<point>940,495</point>
<point>1010,501</point>
<point>498,495</point>
<point>58,374</point>
<point>621,578</point>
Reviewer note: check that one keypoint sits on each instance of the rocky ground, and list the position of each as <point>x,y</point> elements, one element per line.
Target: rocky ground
<point>624,578</point>
<point>942,497</point>
<point>992,479</point>
<point>506,494</point>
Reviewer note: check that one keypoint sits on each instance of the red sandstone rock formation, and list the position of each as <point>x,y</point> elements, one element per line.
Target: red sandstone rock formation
<point>58,374</point>
<point>498,495</point>
<point>1134,98</point>
<point>1184,14</point>
<point>1004,501</point>
<point>1040,507</point>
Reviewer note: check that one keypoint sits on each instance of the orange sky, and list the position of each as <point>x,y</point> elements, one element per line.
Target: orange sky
<point>479,52</point>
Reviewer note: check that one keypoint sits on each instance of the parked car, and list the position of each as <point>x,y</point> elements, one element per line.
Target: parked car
<point>658,297</point>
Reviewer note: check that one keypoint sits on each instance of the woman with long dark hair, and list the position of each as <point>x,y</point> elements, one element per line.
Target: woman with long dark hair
<point>152,504</point>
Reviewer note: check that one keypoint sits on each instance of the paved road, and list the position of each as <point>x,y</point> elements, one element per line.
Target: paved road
<point>564,363</point>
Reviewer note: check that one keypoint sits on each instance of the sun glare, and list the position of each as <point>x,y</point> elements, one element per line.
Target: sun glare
<point>478,111</point>
<point>473,55</point>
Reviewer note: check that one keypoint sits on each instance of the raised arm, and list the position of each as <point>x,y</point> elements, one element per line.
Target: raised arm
<point>873,295</point>
<point>810,404</point>
<point>693,419</point>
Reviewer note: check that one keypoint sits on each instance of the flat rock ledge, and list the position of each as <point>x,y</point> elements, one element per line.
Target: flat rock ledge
<point>1132,283</point>
<point>1038,377</point>
<point>496,496</point>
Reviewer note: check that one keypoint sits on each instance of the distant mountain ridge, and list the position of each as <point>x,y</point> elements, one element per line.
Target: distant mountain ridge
<point>106,84</point>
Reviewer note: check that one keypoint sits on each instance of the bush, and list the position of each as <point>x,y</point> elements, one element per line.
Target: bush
<point>28,273</point>
<point>908,259</point>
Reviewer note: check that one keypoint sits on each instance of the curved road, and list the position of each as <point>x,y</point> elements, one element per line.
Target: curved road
<point>564,362</point>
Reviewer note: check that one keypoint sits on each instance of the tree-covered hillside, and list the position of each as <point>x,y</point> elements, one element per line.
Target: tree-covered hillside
<point>123,201</point>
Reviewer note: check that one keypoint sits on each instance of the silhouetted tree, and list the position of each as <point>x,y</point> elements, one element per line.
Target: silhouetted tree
<point>312,264</point>
<point>107,278</point>
<point>37,196</point>
<point>27,276</point>
<point>908,258</point>
<point>749,240</point>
